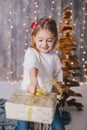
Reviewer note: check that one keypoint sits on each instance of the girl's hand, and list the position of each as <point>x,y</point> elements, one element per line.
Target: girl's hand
<point>32,87</point>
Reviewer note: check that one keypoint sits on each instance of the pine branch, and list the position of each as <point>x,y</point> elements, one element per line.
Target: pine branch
<point>70,46</point>
<point>74,57</point>
<point>71,67</point>
<point>71,83</point>
<point>73,102</point>
<point>66,39</point>
<point>67,9</point>
<point>67,74</point>
<point>67,15</point>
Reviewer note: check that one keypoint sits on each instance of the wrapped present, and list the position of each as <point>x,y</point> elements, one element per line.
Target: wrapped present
<point>28,107</point>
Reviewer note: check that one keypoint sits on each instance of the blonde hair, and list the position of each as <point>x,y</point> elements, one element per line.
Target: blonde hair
<point>44,23</point>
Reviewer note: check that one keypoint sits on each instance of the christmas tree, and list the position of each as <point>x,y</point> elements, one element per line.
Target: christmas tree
<point>67,53</point>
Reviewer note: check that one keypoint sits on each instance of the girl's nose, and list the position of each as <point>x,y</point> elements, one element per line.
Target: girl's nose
<point>45,43</point>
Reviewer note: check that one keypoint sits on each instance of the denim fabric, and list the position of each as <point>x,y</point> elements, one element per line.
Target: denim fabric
<point>22,125</point>
<point>57,123</point>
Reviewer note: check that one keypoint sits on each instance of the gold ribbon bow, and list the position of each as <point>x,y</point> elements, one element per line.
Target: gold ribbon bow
<point>42,90</point>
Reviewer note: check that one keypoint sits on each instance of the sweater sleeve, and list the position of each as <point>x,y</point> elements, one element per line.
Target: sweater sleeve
<point>30,59</point>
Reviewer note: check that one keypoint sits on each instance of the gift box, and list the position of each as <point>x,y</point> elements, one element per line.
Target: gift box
<point>30,107</point>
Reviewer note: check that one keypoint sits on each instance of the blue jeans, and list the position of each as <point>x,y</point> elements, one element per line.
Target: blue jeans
<point>57,123</point>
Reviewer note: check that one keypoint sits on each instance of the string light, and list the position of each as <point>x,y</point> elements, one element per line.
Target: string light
<point>84,45</point>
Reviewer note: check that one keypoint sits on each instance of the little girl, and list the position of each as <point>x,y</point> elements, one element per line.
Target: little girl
<point>41,63</point>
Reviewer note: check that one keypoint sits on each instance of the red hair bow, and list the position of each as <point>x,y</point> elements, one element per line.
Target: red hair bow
<point>33,25</point>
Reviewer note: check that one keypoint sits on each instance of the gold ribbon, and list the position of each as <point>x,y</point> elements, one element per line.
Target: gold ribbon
<point>42,92</point>
<point>29,115</point>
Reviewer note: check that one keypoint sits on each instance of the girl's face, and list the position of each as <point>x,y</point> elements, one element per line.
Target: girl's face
<point>44,40</point>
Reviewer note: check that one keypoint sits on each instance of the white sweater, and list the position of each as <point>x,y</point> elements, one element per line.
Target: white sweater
<point>48,64</point>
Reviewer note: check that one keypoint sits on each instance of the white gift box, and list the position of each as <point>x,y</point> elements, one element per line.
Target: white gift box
<point>24,106</point>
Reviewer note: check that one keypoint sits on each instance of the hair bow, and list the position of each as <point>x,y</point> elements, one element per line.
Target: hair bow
<point>33,25</point>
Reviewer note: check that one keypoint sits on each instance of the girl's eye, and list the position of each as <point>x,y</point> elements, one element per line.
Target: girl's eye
<point>50,40</point>
<point>40,40</point>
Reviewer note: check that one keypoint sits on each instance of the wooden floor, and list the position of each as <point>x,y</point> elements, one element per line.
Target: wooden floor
<point>79,118</point>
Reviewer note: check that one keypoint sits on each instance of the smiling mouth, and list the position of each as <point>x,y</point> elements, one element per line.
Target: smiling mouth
<point>44,48</point>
